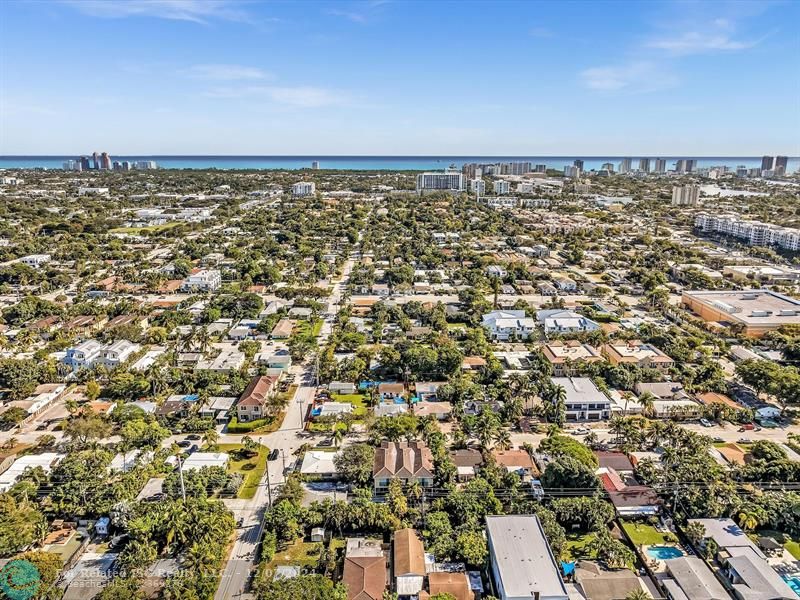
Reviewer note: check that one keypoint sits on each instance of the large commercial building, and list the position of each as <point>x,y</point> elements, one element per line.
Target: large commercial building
<point>685,195</point>
<point>755,312</point>
<point>781,164</point>
<point>754,233</point>
<point>767,163</point>
<point>625,165</point>
<point>644,165</point>
<point>522,563</point>
<point>660,166</point>
<point>685,165</point>
<point>449,181</point>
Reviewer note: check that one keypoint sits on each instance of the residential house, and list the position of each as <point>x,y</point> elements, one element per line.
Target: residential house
<point>584,402</point>
<point>409,563</point>
<point>671,401</point>
<point>254,401</point>
<point>517,461</point>
<point>503,325</point>
<point>521,562</point>
<point>546,288</point>
<point>598,583</point>
<point>467,463</point>
<point>319,464</point>
<point>426,390</point>
<point>564,321</point>
<point>689,578</point>
<point>85,325</point>
<point>636,352</point>
<point>565,284</point>
<point>440,410</point>
<point>365,573</point>
<point>629,499</point>
<point>390,392</point>
<point>218,408</point>
<point>455,583</point>
<point>203,280</point>
<point>562,356</point>
<point>282,330</point>
<point>407,461</point>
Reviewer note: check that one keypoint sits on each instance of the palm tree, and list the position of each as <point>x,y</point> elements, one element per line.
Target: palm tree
<point>638,595</point>
<point>647,401</point>
<point>338,434</point>
<point>212,436</point>
<point>502,440</point>
<point>748,520</point>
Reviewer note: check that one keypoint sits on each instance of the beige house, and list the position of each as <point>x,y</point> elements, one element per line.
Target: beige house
<point>253,403</point>
<point>406,461</point>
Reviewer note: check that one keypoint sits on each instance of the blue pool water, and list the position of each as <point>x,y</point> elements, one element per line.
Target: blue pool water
<point>664,552</point>
<point>793,582</point>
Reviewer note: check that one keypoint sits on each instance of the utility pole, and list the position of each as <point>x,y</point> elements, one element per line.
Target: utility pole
<point>180,473</point>
<point>269,488</point>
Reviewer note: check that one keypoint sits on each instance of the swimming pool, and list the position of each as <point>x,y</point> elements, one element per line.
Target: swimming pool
<point>664,552</point>
<point>793,581</point>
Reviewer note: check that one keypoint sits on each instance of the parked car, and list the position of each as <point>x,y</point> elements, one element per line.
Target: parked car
<point>744,440</point>
<point>274,453</point>
<point>747,427</point>
<point>194,436</point>
<point>580,431</point>
<point>184,444</point>
<point>706,423</point>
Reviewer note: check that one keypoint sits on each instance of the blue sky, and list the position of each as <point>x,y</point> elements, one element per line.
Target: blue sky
<point>391,77</point>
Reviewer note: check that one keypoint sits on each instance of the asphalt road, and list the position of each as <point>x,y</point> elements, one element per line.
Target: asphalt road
<point>242,562</point>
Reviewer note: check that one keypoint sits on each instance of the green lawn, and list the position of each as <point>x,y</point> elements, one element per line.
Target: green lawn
<point>643,534</point>
<point>140,230</point>
<point>575,550</point>
<point>304,554</point>
<point>358,401</point>
<point>794,548</point>
<point>252,474</point>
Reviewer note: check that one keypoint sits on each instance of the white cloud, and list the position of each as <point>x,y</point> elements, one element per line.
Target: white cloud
<point>196,11</point>
<point>220,72</point>
<point>695,42</point>
<point>297,96</point>
<point>634,77</point>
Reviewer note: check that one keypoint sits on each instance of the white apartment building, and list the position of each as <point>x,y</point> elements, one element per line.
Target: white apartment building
<point>205,280</point>
<point>754,233</point>
<point>91,353</point>
<point>502,187</point>
<point>304,188</point>
<point>477,186</point>
<point>449,181</point>
<point>506,324</point>
<point>564,321</point>
<point>500,201</point>
<point>584,401</point>
<point>572,171</point>
<point>35,260</point>
<point>685,195</point>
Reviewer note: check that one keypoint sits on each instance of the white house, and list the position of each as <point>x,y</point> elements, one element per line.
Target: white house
<point>91,353</point>
<point>584,402</point>
<point>205,280</point>
<point>505,324</point>
<point>35,260</point>
<point>564,321</point>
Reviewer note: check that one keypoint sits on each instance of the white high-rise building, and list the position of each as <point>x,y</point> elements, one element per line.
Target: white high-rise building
<point>477,186</point>
<point>449,181</point>
<point>572,171</point>
<point>685,195</point>
<point>303,188</point>
<point>502,187</point>
<point>661,166</point>
<point>644,165</point>
<point>625,165</point>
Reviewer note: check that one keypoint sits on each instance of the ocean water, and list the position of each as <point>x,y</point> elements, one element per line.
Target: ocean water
<point>385,163</point>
